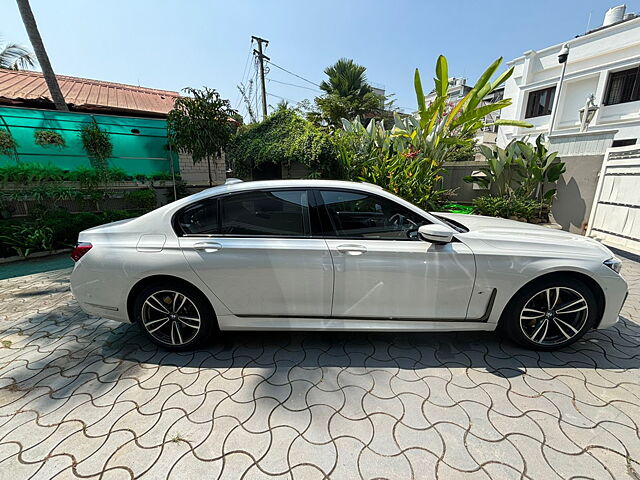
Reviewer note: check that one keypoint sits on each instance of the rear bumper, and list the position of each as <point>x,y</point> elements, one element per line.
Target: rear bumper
<point>104,312</point>
<point>100,294</point>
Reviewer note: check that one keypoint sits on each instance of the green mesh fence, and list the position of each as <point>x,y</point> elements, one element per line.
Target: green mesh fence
<point>139,144</point>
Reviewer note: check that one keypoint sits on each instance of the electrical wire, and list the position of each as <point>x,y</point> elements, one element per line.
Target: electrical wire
<point>245,71</point>
<point>294,85</point>
<point>294,74</point>
<point>281,98</point>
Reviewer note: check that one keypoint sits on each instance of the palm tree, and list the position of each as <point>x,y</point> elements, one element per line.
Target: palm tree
<point>43,59</point>
<point>347,94</point>
<point>15,57</point>
<point>346,78</point>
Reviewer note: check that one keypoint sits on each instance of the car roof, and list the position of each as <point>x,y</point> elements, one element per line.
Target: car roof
<point>265,184</point>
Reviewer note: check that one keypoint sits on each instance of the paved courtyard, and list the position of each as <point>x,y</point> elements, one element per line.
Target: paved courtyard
<point>83,397</point>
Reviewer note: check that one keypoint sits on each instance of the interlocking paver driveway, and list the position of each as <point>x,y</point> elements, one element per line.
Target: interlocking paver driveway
<point>83,397</point>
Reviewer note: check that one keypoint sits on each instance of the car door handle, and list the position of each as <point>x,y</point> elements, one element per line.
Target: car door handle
<point>352,249</point>
<point>208,247</point>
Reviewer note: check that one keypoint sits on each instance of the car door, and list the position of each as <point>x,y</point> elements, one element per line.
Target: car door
<point>381,268</point>
<point>254,250</point>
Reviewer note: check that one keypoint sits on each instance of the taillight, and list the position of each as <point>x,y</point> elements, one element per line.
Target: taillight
<point>79,250</point>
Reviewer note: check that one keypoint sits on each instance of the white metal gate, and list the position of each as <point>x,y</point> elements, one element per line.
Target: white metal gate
<point>615,215</point>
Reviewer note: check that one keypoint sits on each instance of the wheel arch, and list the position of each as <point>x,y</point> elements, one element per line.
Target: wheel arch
<point>143,283</point>
<point>594,286</point>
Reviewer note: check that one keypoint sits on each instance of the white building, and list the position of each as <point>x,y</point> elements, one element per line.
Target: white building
<point>604,62</point>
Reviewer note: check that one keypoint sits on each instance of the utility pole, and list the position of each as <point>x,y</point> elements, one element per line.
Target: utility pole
<point>262,57</point>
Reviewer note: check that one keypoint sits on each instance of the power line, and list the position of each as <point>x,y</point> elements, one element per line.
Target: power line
<point>281,98</point>
<point>294,85</point>
<point>294,74</point>
<point>245,70</point>
<point>255,86</point>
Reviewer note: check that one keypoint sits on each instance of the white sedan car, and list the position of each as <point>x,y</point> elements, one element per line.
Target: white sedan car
<point>330,255</point>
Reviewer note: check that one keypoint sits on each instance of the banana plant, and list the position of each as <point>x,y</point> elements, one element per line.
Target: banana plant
<point>520,168</point>
<point>407,159</point>
<point>505,169</point>
<point>469,113</point>
<point>541,167</point>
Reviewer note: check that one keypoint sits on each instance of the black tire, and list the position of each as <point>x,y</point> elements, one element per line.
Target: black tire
<point>528,327</point>
<point>179,332</point>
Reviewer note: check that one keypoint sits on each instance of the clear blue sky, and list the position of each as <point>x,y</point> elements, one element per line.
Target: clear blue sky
<point>173,44</point>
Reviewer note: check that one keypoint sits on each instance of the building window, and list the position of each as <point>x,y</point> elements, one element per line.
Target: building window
<point>540,102</point>
<point>623,87</point>
<point>625,142</point>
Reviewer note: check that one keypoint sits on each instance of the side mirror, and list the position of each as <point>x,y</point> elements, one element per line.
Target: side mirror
<point>435,233</point>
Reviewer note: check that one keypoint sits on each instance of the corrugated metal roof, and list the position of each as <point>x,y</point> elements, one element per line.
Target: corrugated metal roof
<point>86,93</point>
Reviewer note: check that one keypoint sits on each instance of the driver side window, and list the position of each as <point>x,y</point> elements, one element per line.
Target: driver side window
<point>361,215</point>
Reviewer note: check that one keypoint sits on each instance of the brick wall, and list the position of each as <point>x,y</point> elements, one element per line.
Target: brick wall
<point>197,174</point>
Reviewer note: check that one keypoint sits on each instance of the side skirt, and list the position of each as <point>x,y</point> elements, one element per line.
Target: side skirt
<point>292,322</point>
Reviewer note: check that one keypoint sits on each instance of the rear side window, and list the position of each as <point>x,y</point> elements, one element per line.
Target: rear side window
<point>265,213</point>
<point>199,218</point>
<point>362,215</point>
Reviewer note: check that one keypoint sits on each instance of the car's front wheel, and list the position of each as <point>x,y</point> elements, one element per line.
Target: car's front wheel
<point>176,317</point>
<point>550,314</point>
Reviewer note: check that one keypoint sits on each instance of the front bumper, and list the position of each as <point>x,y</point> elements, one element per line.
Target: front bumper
<point>616,291</point>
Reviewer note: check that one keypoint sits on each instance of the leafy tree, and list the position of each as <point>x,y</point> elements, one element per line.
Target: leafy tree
<point>347,94</point>
<point>200,124</point>
<point>284,138</point>
<point>15,57</point>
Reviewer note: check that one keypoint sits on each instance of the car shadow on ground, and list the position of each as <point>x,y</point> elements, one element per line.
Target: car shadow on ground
<point>64,352</point>
<point>613,348</point>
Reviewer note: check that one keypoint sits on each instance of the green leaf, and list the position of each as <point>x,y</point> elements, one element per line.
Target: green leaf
<point>481,112</point>
<point>548,195</point>
<point>555,171</point>
<point>417,83</point>
<point>442,76</point>
<point>510,123</point>
<point>486,151</point>
<point>482,81</point>
<point>456,109</point>
<point>501,79</point>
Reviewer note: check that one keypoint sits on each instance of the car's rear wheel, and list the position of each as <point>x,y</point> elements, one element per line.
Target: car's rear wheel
<point>176,317</point>
<point>550,314</point>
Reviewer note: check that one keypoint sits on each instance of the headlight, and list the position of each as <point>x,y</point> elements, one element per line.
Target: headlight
<point>614,264</point>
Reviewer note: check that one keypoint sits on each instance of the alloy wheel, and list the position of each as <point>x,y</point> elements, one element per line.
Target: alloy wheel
<point>554,315</point>
<point>171,317</point>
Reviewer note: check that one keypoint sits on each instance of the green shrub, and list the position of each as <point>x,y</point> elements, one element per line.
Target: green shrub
<point>142,199</point>
<point>7,143</point>
<point>89,177</point>
<point>117,174</point>
<point>285,137</point>
<point>59,229</point>
<point>516,207</point>
<point>48,138</point>
<point>25,173</point>
<point>24,239</point>
<point>97,143</point>
<point>162,176</point>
